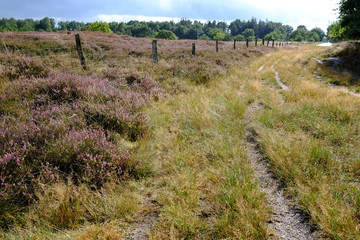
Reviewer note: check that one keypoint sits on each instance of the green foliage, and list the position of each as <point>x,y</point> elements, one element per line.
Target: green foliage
<point>166,34</point>
<point>251,38</point>
<point>215,34</point>
<point>302,27</point>
<point>336,32</point>
<point>219,36</point>
<point>100,27</point>
<point>46,24</point>
<point>312,37</point>
<point>319,32</point>
<point>184,29</point>
<point>298,35</point>
<point>239,37</point>
<point>228,37</point>
<point>350,18</point>
<point>204,37</point>
<point>138,29</point>
<point>249,33</point>
<point>274,36</point>
<point>301,34</point>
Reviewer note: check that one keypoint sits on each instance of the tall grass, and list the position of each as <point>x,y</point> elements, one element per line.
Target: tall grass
<point>205,184</point>
<point>312,142</point>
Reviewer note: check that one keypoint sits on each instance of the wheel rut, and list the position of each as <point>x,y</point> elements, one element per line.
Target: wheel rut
<point>287,221</point>
<point>278,80</point>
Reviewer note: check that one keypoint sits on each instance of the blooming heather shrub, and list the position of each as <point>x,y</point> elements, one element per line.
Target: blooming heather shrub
<point>24,67</point>
<point>140,83</point>
<point>89,156</point>
<point>15,175</point>
<point>60,87</point>
<point>144,84</point>
<point>58,126</point>
<point>119,118</point>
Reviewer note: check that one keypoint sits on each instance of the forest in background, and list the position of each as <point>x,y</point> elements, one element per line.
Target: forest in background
<point>184,29</point>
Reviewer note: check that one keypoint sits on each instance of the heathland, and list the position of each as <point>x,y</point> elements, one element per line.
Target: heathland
<point>182,149</point>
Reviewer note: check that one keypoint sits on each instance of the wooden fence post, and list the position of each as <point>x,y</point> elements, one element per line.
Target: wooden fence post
<point>263,42</point>
<point>273,43</point>
<point>268,42</point>
<point>217,45</point>
<point>193,49</point>
<point>234,43</point>
<point>247,43</point>
<point>256,42</point>
<point>154,51</point>
<point>80,51</point>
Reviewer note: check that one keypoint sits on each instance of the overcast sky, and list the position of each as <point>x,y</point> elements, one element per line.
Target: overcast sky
<point>311,13</point>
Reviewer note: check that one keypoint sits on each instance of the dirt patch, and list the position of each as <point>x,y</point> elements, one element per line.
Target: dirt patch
<point>141,229</point>
<point>261,68</point>
<point>144,220</point>
<point>278,80</point>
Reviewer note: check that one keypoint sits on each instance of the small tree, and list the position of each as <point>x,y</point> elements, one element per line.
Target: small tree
<point>219,36</point>
<point>100,27</point>
<point>239,38</point>
<point>166,34</point>
<point>274,36</point>
<point>249,34</point>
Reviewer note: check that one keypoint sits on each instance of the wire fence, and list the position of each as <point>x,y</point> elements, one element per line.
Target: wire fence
<point>76,50</point>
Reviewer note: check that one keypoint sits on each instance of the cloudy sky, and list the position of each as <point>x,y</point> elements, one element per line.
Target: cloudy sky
<point>307,12</point>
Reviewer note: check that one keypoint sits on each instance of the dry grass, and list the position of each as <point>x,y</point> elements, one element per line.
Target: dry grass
<point>312,142</point>
<point>205,186</point>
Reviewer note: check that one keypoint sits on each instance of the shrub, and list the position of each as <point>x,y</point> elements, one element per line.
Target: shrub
<point>88,155</point>
<point>25,67</point>
<point>100,27</point>
<point>59,126</point>
<point>166,34</point>
<point>125,120</point>
<point>240,38</point>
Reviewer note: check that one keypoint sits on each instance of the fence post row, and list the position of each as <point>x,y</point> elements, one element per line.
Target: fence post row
<point>154,51</point>
<point>80,51</point>
<point>193,49</point>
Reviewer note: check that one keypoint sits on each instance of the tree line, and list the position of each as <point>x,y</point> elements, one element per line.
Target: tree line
<point>184,29</point>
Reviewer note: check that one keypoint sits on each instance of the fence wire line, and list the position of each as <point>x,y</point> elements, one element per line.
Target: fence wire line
<point>72,51</point>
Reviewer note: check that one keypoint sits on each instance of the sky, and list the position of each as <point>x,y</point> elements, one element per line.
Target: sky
<point>311,13</point>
